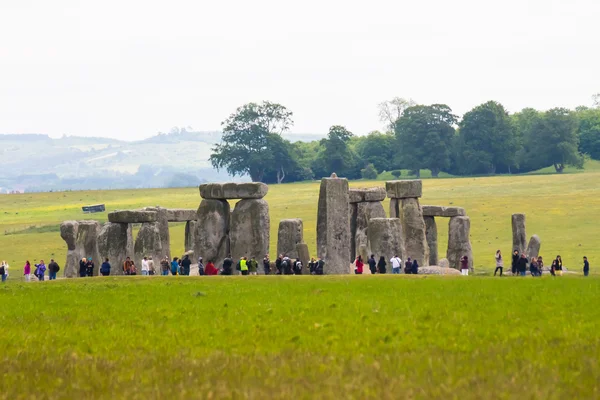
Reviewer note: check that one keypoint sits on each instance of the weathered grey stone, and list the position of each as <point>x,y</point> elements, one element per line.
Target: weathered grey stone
<point>87,242</point>
<point>459,242</point>
<point>519,234</point>
<point>113,241</point>
<point>163,228</point>
<point>181,214</point>
<point>72,264</point>
<point>359,225</point>
<point>212,237</point>
<point>68,231</point>
<point>395,208</point>
<point>226,191</point>
<point>440,211</point>
<point>436,270</point>
<point>362,195</point>
<point>385,238</point>
<point>413,228</point>
<point>432,239</point>
<point>132,216</point>
<point>533,248</point>
<point>290,234</point>
<point>148,244</point>
<point>333,228</point>
<point>250,229</point>
<point>404,189</point>
<point>304,256</point>
<point>444,263</point>
<point>191,234</point>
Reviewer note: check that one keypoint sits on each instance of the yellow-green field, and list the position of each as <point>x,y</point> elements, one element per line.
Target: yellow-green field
<point>562,209</point>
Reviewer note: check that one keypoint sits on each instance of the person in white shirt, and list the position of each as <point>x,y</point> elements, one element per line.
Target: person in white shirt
<point>145,267</point>
<point>396,264</point>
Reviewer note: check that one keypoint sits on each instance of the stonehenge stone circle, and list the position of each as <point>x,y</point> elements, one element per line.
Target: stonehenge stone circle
<point>413,228</point>
<point>148,244</point>
<point>333,228</point>
<point>230,191</point>
<point>290,233</point>
<point>519,234</point>
<point>86,244</point>
<point>249,230</point>
<point>404,189</point>
<point>181,214</point>
<point>370,195</point>
<point>432,239</point>
<point>132,216</point>
<point>115,242</point>
<point>359,225</point>
<point>459,242</point>
<point>440,211</point>
<point>68,231</point>
<point>212,243</point>
<point>163,229</point>
<point>533,248</point>
<point>385,237</point>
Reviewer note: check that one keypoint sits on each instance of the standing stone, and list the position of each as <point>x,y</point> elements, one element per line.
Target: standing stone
<point>413,228</point>
<point>385,238</point>
<point>113,241</point>
<point>404,189</point>
<point>333,229</point>
<point>394,208</point>
<point>432,239</point>
<point>68,231</point>
<point>212,236</point>
<point>230,190</point>
<point>361,214</point>
<point>444,263</point>
<point>148,244</point>
<point>519,234</point>
<point>163,227</point>
<point>191,234</point>
<point>250,229</point>
<point>533,248</point>
<point>304,256</point>
<point>290,234</point>
<point>86,243</point>
<point>459,242</point>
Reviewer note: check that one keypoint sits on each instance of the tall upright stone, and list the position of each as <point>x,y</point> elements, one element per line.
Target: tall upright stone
<point>413,228</point>
<point>333,228</point>
<point>87,242</point>
<point>148,244</point>
<point>304,256</point>
<point>249,231</point>
<point>359,225</point>
<point>385,238</point>
<point>519,234</point>
<point>191,234</point>
<point>212,237</point>
<point>459,242</point>
<point>395,208</point>
<point>533,248</point>
<point>290,233</point>
<point>163,227</point>
<point>432,239</point>
<point>68,231</point>
<point>114,243</point>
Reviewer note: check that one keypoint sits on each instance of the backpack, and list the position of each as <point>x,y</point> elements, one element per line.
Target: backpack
<point>2,270</point>
<point>298,267</point>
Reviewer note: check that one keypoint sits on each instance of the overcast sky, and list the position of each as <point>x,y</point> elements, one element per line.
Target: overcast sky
<point>130,68</point>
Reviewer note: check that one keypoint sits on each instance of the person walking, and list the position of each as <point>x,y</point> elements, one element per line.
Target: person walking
<point>464,265</point>
<point>415,267</point>
<point>83,267</point>
<point>253,266</point>
<point>408,266</point>
<point>358,265</point>
<point>105,268</point>
<point>298,267</point>
<point>89,267</point>
<point>515,262</point>
<point>27,271</point>
<point>372,264</point>
<point>227,266</point>
<point>127,266</point>
<point>200,266</point>
<point>396,264</point>
<point>40,270</point>
<point>381,265</point>
<point>4,271</point>
<point>522,265</point>
<point>145,268</point>
<point>540,262</point>
<point>244,266</point>
<point>499,263</point>
<point>267,265</point>
<point>53,269</point>
<point>164,266</point>
<point>210,269</point>
<point>133,270</point>
<point>151,266</point>
<point>278,265</point>
<point>533,267</point>
<point>286,265</point>
<point>559,266</point>
<point>312,266</point>
<point>553,268</point>
<point>186,263</point>
<point>320,270</point>
<point>174,266</point>
<point>586,267</point>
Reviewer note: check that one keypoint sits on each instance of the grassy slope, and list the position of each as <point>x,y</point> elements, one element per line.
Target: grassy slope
<point>381,337</point>
<point>560,208</point>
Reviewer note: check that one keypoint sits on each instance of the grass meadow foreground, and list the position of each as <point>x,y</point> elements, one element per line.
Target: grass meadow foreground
<point>382,337</point>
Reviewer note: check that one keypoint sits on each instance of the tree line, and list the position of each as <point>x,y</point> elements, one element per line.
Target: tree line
<point>486,140</point>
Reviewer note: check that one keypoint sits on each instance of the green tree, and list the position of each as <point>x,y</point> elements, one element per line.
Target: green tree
<point>396,173</point>
<point>527,155</point>
<point>391,110</point>
<point>425,134</point>
<point>248,135</point>
<point>336,155</point>
<point>369,172</point>
<point>378,149</point>
<point>487,142</point>
<point>589,131</point>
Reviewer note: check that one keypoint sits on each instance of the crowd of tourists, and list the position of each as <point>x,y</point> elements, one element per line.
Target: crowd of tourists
<point>521,264</point>
<point>410,266</point>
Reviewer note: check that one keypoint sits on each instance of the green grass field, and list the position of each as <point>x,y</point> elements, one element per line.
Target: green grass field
<point>561,209</point>
<point>380,337</point>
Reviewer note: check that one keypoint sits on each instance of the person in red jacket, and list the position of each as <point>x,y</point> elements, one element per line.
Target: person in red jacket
<point>210,269</point>
<point>358,265</point>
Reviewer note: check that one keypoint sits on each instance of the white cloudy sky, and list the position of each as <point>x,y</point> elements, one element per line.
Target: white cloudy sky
<point>131,68</point>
